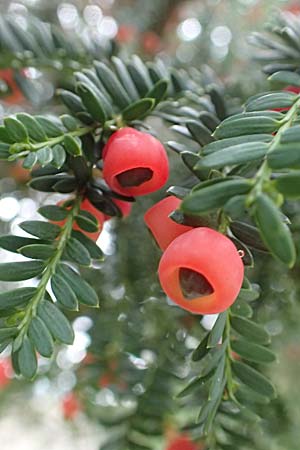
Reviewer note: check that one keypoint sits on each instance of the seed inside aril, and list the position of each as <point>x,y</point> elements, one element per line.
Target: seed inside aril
<point>134,177</point>
<point>193,284</point>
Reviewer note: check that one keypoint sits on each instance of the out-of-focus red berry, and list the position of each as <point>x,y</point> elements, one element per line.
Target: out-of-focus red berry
<point>164,229</point>
<point>293,8</point>
<point>18,173</point>
<point>87,206</point>
<point>126,34</point>
<point>235,356</point>
<point>182,442</point>
<point>105,380</point>
<point>5,372</point>
<point>134,163</point>
<point>201,271</point>
<point>109,379</point>
<point>151,42</point>
<point>14,96</point>
<point>70,406</point>
<point>89,359</point>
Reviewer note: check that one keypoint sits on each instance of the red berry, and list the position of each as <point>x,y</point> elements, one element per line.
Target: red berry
<point>295,89</point>
<point>89,359</point>
<point>182,442</point>
<point>87,206</point>
<point>235,356</point>
<point>70,406</point>
<point>151,42</point>
<point>5,372</point>
<point>18,172</point>
<point>293,8</point>
<point>126,34</point>
<point>164,229</point>
<point>14,96</point>
<point>201,271</point>
<point>105,380</point>
<point>135,163</point>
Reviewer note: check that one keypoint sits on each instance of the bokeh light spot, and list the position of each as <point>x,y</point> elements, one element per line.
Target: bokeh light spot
<point>9,208</point>
<point>189,29</point>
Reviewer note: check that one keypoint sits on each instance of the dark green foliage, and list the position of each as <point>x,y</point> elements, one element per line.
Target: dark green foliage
<point>27,362</point>
<point>38,319</point>
<point>83,291</point>
<point>281,50</point>
<point>56,322</point>
<point>20,271</point>
<point>41,337</point>
<point>209,198</point>
<point>274,232</point>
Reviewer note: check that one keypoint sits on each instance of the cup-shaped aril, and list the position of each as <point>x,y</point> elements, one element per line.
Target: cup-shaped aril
<point>164,229</point>
<point>134,163</point>
<point>201,271</point>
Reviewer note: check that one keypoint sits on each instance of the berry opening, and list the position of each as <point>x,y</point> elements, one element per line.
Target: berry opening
<point>193,284</point>
<point>134,177</point>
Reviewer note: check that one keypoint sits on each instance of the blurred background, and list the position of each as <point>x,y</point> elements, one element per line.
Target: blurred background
<point>66,406</point>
